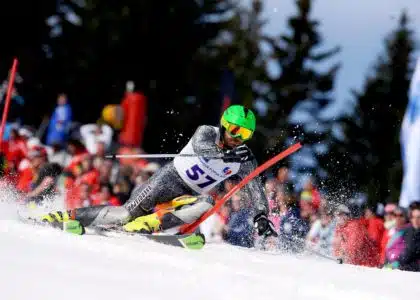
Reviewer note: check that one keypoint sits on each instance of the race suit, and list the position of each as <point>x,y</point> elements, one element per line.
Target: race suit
<point>195,176</point>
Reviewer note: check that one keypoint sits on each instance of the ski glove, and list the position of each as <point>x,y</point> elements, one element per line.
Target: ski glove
<point>264,226</point>
<point>239,154</point>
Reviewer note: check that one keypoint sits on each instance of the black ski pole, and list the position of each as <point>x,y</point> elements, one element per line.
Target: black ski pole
<point>318,253</point>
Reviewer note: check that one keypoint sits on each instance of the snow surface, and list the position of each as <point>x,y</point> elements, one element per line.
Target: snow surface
<point>42,263</point>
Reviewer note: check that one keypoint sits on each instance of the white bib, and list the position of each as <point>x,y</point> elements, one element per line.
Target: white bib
<point>202,174</point>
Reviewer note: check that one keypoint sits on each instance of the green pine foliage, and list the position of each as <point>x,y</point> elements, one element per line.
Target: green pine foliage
<point>25,32</point>
<point>153,43</point>
<point>304,86</point>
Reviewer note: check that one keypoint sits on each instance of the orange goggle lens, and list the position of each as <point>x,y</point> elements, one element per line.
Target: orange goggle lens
<point>236,131</point>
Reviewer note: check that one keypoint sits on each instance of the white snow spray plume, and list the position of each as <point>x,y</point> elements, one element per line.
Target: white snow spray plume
<point>8,202</point>
<point>12,204</point>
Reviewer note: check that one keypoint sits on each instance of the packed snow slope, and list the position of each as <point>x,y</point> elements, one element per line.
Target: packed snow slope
<point>42,263</point>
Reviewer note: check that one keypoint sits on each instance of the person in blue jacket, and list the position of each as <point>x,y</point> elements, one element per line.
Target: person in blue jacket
<point>293,228</point>
<point>239,227</point>
<point>59,125</point>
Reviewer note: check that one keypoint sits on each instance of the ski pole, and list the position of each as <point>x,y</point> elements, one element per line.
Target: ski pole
<point>190,228</point>
<point>307,248</point>
<point>159,156</point>
<point>325,256</point>
<point>316,252</point>
<point>7,101</point>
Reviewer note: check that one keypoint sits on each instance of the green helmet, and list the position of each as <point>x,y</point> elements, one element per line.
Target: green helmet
<point>240,116</point>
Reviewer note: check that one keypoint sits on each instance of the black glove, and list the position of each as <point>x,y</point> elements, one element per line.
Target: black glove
<point>264,226</point>
<point>239,154</point>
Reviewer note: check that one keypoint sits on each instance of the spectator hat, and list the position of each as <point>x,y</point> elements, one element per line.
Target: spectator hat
<point>37,151</point>
<point>25,132</point>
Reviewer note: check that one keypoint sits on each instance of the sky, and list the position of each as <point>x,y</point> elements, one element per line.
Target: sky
<point>358,26</point>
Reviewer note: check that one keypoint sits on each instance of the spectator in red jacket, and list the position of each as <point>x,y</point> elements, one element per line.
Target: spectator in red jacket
<point>134,106</point>
<point>351,239</point>
<point>13,152</point>
<point>15,148</point>
<point>105,196</point>
<point>42,177</point>
<point>77,151</point>
<point>85,198</point>
<point>375,226</point>
<point>89,174</point>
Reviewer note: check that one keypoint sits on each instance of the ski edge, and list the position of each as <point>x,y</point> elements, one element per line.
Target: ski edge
<point>193,241</point>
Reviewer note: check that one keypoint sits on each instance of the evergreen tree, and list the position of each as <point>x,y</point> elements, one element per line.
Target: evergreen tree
<point>236,52</point>
<point>367,158</point>
<point>27,44</point>
<point>153,43</point>
<point>301,88</point>
<point>244,54</point>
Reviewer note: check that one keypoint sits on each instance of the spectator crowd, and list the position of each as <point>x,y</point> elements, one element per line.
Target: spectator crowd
<point>72,164</point>
<point>384,236</point>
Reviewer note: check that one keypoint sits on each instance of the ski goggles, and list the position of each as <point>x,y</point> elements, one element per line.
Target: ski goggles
<point>236,131</point>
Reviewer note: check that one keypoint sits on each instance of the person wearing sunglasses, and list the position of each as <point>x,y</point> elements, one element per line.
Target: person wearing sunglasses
<point>180,192</point>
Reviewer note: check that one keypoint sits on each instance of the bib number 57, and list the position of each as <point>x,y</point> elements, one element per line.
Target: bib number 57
<point>195,173</point>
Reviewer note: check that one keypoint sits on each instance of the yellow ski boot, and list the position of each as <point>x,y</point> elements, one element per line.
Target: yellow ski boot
<point>145,224</point>
<point>153,222</point>
<point>62,220</point>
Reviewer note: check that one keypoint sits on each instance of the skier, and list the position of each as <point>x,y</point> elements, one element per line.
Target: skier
<point>177,194</point>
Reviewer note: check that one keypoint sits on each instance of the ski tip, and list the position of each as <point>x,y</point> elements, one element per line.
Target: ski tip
<point>194,241</point>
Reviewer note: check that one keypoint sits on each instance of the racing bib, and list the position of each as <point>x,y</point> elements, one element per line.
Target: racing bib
<point>202,174</point>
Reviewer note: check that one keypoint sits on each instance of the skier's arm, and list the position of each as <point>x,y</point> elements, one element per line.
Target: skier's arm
<point>204,141</point>
<point>254,189</point>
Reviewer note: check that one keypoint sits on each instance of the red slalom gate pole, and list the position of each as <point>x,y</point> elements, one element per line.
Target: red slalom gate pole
<point>7,101</point>
<point>190,228</point>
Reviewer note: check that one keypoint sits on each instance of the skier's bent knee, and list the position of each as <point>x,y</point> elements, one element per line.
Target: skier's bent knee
<point>191,212</point>
<point>182,210</point>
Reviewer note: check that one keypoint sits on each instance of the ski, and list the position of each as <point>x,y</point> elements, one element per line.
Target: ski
<point>192,241</point>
